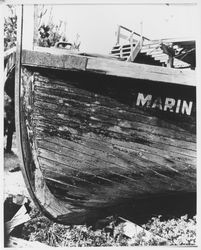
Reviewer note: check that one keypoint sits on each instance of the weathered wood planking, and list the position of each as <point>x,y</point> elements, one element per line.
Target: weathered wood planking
<point>108,67</point>
<point>96,148</point>
<point>36,183</point>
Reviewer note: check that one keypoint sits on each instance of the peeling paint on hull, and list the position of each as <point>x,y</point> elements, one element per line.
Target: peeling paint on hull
<point>94,147</point>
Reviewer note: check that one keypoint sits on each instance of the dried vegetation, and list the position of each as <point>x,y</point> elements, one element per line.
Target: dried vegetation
<point>181,231</point>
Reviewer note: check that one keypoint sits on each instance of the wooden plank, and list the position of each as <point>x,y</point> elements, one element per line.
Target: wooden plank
<point>152,184</point>
<point>108,67</point>
<point>17,95</point>
<point>114,51</point>
<point>50,92</point>
<point>177,153</point>
<point>36,184</point>
<point>96,145</point>
<point>63,169</point>
<point>151,46</point>
<point>134,51</point>
<point>69,116</point>
<point>136,119</point>
<point>160,57</point>
<point>66,149</point>
<point>168,137</point>
<point>140,71</point>
<point>47,60</point>
<point>137,160</point>
<point>121,187</point>
<point>129,30</point>
<point>146,51</point>
<point>23,146</point>
<point>155,52</point>
<point>174,40</point>
<point>103,115</point>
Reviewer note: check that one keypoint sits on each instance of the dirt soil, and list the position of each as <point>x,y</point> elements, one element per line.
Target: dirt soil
<point>13,179</point>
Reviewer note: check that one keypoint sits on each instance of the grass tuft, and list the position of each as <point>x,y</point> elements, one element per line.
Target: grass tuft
<point>178,232</point>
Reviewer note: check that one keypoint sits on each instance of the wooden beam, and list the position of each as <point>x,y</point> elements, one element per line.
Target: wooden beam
<point>109,67</point>
<point>188,40</point>
<point>134,51</point>
<point>161,56</point>
<point>118,34</point>
<point>129,30</point>
<point>141,71</point>
<point>56,61</point>
<point>155,52</point>
<point>17,80</point>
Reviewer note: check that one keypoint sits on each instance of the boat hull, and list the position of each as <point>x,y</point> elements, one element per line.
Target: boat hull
<point>97,142</point>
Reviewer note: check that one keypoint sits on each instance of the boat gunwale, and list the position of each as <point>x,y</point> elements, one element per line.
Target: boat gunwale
<point>107,66</point>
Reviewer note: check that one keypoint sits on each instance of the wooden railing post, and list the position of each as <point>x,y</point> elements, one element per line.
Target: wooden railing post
<point>118,34</point>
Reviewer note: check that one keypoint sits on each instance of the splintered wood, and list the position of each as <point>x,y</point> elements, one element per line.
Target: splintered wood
<point>95,146</point>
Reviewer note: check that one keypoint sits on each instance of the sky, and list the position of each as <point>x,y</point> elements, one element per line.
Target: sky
<point>97,24</point>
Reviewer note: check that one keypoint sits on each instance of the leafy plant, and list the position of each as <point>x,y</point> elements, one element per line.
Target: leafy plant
<point>10,29</point>
<point>49,32</point>
<point>180,231</point>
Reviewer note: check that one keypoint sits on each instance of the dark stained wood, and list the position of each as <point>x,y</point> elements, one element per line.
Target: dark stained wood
<point>36,183</point>
<point>125,129</point>
<point>89,144</point>
<point>94,149</point>
<point>78,99</point>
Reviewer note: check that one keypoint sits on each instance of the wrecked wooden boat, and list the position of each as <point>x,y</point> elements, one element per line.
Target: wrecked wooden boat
<point>97,134</point>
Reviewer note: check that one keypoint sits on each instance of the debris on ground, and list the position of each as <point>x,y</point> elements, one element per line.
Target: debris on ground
<point>16,213</point>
